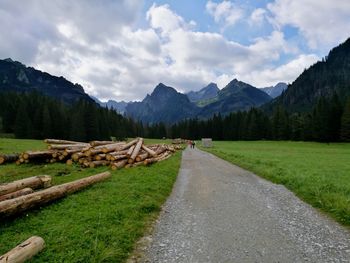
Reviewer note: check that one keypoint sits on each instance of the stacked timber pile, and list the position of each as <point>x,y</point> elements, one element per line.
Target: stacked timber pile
<point>178,141</point>
<point>96,153</point>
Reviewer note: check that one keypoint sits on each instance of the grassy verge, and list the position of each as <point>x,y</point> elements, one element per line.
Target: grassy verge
<point>318,173</point>
<point>98,224</point>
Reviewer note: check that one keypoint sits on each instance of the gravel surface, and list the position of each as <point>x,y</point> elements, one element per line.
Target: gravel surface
<point>219,212</point>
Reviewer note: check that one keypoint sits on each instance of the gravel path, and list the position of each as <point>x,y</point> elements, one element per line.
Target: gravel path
<point>219,212</point>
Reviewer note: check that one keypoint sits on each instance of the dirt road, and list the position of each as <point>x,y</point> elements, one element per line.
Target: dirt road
<point>219,212</point>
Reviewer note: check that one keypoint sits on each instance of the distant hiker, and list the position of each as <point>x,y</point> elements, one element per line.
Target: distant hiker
<point>193,144</point>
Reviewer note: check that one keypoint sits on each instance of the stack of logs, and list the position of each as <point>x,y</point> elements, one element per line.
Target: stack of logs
<point>96,153</point>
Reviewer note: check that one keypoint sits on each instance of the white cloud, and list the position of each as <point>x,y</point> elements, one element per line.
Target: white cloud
<point>284,73</point>
<point>113,58</point>
<point>225,12</point>
<point>324,23</point>
<point>257,17</point>
<point>161,17</point>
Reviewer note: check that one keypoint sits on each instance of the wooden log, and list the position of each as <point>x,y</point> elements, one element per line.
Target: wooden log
<point>161,149</point>
<point>118,165</point>
<point>62,157</point>
<point>100,157</point>
<point>69,162</point>
<point>32,182</point>
<point>55,141</point>
<point>128,145</point>
<point>94,164</point>
<point>36,155</point>
<point>110,147</point>
<point>99,143</point>
<point>155,159</point>
<point>26,202</point>
<point>21,192</point>
<point>136,151</point>
<point>68,152</point>
<point>67,146</point>
<point>141,157</point>
<point>24,251</point>
<point>131,149</point>
<point>114,158</point>
<point>91,152</point>
<point>7,158</point>
<point>77,156</point>
<point>150,152</point>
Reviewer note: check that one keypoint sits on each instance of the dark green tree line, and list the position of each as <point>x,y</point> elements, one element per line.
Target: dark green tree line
<point>36,116</point>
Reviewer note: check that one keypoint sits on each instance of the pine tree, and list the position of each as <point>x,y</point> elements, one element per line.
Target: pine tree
<point>47,131</point>
<point>22,123</point>
<point>345,123</point>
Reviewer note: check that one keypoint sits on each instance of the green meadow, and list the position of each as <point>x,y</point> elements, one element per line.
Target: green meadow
<point>317,173</point>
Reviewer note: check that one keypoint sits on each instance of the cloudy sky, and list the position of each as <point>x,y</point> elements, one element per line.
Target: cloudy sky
<point>121,49</point>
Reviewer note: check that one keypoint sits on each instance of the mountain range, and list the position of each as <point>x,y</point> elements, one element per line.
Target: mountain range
<point>206,93</point>
<point>14,76</point>
<point>165,104</point>
<point>275,91</point>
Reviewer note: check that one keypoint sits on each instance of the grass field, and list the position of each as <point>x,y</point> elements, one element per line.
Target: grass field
<point>317,173</point>
<point>98,224</point>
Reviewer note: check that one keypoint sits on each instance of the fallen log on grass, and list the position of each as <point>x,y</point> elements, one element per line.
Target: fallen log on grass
<point>36,155</point>
<point>26,202</point>
<point>21,192</point>
<point>24,251</point>
<point>4,158</point>
<point>42,181</point>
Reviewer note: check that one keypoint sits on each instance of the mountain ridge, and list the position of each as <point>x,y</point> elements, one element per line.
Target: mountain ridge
<point>17,77</point>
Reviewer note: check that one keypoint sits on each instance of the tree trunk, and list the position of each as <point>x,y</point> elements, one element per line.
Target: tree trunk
<point>55,141</point>
<point>111,147</point>
<point>131,149</point>
<point>128,145</point>
<point>21,192</point>
<point>68,146</point>
<point>94,164</point>
<point>151,152</point>
<point>141,157</point>
<point>6,158</point>
<point>156,159</point>
<point>118,165</point>
<point>26,202</point>
<point>99,143</point>
<point>24,251</point>
<point>136,151</point>
<point>37,155</point>
<point>32,182</point>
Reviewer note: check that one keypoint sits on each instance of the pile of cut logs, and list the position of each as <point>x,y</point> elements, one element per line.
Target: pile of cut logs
<point>96,153</point>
